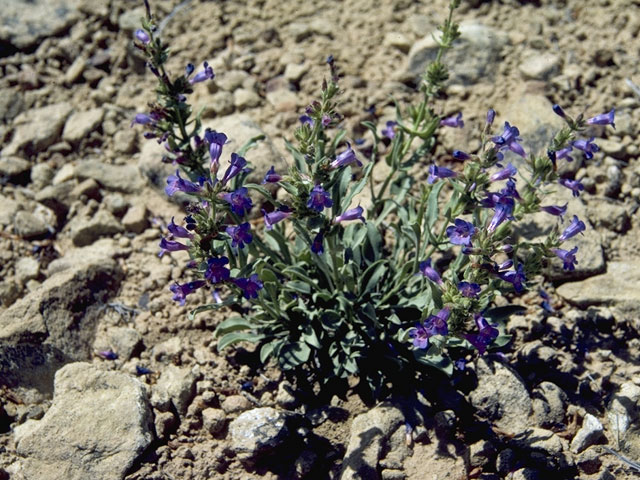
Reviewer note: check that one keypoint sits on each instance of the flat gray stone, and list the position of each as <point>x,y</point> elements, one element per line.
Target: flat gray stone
<point>98,424</point>
<point>80,124</point>
<point>501,396</point>
<point>540,66</point>
<point>590,432</point>
<point>175,385</point>
<point>122,178</point>
<point>85,231</point>
<point>24,22</point>
<point>37,129</point>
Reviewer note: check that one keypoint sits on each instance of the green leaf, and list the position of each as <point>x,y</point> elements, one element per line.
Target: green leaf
<point>236,337</point>
<point>233,324</point>
<point>253,142</point>
<point>501,341</point>
<point>268,349</point>
<point>310,337</point>
<point>358,186</point>
<point>294,354</point>
<point>260,189</point>
<point>442,363</point>
<point>211,306</point>
<point>301,163</point>
<point>300,287</point>
<point>432,205</point>
<point>372,276</point>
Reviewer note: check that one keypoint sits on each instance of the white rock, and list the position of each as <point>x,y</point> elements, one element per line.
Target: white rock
<point>81,124</point>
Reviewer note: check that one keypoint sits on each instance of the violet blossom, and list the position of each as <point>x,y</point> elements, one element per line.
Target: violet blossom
<point>568,257</point>
<point>180,292</point>
<point>454,121</point>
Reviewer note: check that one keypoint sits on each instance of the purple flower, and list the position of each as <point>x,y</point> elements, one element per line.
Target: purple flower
<point>345,158</point>
<point>270,219</point>
<point>491,116</point>
<point>202,75</point>
<point>239,201</point>
<point>178,231</point>
<point>461,233</point>
<point>460,155</point>
<point>240,235</point>
<point>142,36</point>
<point>326,121</point>
<point>217,272</point>
<point>434,325</point>
<point>568,257</point>
<point>485,336</point>
<point>180,292</point>
<point>428,271</point>
<point>509,139</point>
<point>455,121</point>
<point>469,290</point>
<point>508,172</point>
<point>574,185</point>
<point>556,210</point>
<point>141,119</point>
<point>353,214</point>
<point>436,172</point>
<point>506,265</point>
<point>271,176</point>
<point>503,210</point>
<point>319,199</point>
<point>306,120</point>
<point>603,119</point>
<point>564,153</point>
<point>237,165</point>
<point>557,109</point>
<point>577,226</point>
<point>587,146</point>
<point>215,140</point>
<point>189,69</point>
<point>250,286</point>
<point>176,183</point>
<point>389,131</point>
<point>170,246</point>
<point>108,355</point>
<point>515,277</point>
<point>317,246</point>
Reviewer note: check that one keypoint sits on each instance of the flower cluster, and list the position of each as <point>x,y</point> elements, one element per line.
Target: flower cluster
<point>331,288</point>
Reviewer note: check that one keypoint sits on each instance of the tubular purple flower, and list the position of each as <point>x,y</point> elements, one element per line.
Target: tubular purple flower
<point>420,336</point>
<point>428,271</point>
<point>352,214</point>
<point>142,36</point>
<point>108,355</point>
<point>216,271</point>
<point>485,336</point>
<point>564,153</point>
<point>271,176</point>
<point>469,290</point>
<point>141,119</point>
<point>319,199</point>
<point>604,119</point>
<point>180,292</point>
<point>238,163</point>
<point>215,140</point>
<point>577,226</point>
<point>317,246</point>
<point>189,69</point>
<point>557,109</point>
<point>506,265</point>
<point>461,233</point>
<point>325,121</point>
<point>460,155</point>
<point>503,210</point>
<point>345,158</point>
<point>568,257</point>
<point>389,131</point>
<point>587,146</point>
<point>491,116</point>
<point>454,121</point>
<point>178,231</point>
<point>170,246</point>
<point>515,277</point>
<point>239,201</point>
<point>306,120</point>
<point>437,324</point>
<point>175,183</point>
<point>270,219</point>
<point>509,139</point>
<point>574,185</point>
<point>202,75</point>
<point>240,235</point>
<point>508,172</point>
<point>436,172</point>
<point>556,210</point>
<point>249,286</point>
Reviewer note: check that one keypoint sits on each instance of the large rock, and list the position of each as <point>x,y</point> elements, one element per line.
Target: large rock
<point>177,386</point>
<point>81,124</point>
<point>258,431</point>
<point>369,433</point>
<point>621,281</point>
<point>24,22</point>
<point>57,320</point>
<point>473,58</point>
<point>501,396</point>
<point>122,178</point>
<point>85,230</point>
<point>37,129</point>
<point>98,424</point>
<point>240,129</point>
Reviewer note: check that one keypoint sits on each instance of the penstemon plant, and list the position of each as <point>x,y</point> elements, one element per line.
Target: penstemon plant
<point>330,289</point>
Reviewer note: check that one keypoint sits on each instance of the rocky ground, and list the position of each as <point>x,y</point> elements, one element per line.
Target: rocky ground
<point>82,211</point>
